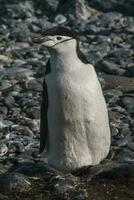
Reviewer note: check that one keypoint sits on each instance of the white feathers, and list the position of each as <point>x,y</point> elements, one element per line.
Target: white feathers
<point>79,132</point>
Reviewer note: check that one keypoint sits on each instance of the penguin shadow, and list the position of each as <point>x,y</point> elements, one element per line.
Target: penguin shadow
<point>107,169</point>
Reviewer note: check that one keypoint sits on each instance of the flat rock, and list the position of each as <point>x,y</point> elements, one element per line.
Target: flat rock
<point>12,182</point>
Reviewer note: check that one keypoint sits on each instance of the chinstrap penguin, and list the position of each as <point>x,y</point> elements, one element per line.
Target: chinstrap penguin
<point>74,124</point>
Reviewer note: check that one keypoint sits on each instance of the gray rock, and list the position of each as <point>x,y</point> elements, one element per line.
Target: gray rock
<point>20,73</point>
<point>33,168</point>
<point>119,6</point>
<point>122,83</point>
<point>3,149</point>
<point>20,32</point>
<point>131,69</point>
<point>78,194</point>
<point>60,19</point>
<point>5,124</point>
<point>10,182</point>
<point>112,68</point>
<point>107,170</point>
<point>32,124</point>
<point>3,111</point>
<point>15,147</point>
<point>79,9</point>
<point>112,96</point>
<point>9,101</point>
<point>34,85</point>
<point>125,155</point>
<point>61,184</point>
<point>47,6</point>
<point>130,109</point>
<point>33,112</point>
<point>127,101</point>
<point>5,85</point>
<point>131,146</point>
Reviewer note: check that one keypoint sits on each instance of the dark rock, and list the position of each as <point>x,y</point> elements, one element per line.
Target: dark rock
<point>48,7</point>
<point>5,85</point>
<point>112,96</point>
<point>131,69</point>
<point>3,197</point>
<point>5,124</point>
<point>3,149</point>
<point>9,101</point>
<point>131,146</point>
<point>78,194</point>
<point>22,130</point>
<point>124,84</point>
<point>130,109</point>
<point>33,168</point>
<point>15,147</point>
<point>61,184</point>
<point>33,112</point>
<point>20,33</point>
<point>60,19</point>
<point>34,85</point>
<point>3,111</point>
<point>114,5</point>
<point>20,73</point>
<point>10,182</point>
<point>32,124</point>
<point>127,101</point>
<point>106,170</point>
<point>125,155</point>
<point>79,9</point>
<point>112,68</point>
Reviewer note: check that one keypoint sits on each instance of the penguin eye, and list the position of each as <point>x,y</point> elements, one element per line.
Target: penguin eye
<point>59,38</point>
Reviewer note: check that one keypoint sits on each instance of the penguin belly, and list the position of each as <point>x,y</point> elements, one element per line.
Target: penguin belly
<point>79,133</point>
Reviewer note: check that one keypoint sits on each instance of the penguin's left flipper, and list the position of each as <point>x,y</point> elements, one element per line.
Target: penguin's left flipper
<point>43,113</point>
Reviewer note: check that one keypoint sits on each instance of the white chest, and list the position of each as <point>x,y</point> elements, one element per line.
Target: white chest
<point>76,111</point>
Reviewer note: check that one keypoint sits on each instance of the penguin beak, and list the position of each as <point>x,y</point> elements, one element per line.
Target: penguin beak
<point>40,39</point>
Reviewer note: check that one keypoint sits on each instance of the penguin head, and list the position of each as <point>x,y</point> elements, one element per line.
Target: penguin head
<point>56,38</point>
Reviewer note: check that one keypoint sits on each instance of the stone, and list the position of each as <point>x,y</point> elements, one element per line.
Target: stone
<point>15,147</point>
<point>3,111</point>
<point>79,9</point>
<point>126,155</point>
<point>33,112</point>
<point>5,59</point>
<point>60,19</point>
<point>112,68</point>
<point>119,6</point>
<point>80,194</point>
<point>109,170</point>
<point>33,168</point>
<point>112,96</point>
<point>130,109</point>
<point>20,73</point>
<point>9,101</point>
<point>3,149</point>
<point>127,101</point>
<point>34,85</point>
<point>10,182</point>
<point>20,33</point>
<point>60,184</point>
<point>122,83</point>
<point>47,6</point>
<point>131,69</point>
<point>130,146</point>
<point>5,124</point>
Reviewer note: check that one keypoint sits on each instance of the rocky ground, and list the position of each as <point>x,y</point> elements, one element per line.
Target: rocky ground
<point>106,35</point>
